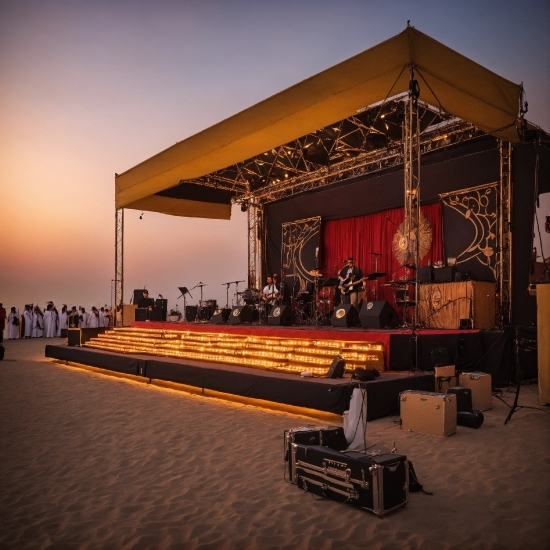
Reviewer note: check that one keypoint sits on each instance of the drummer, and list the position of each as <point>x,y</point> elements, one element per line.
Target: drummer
<point>270,294</point>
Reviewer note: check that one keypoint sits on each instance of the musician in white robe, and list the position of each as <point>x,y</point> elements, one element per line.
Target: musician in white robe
<point>13,324</point>
<point>63,320</point>
<point>27,316</point>
<point>37,323</point>
<point>93,318</point>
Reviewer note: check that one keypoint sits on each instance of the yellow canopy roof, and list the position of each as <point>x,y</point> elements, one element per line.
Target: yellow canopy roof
<point>446,78</point>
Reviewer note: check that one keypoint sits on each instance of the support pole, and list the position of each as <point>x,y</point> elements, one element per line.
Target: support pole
<point>119,258</point>
<point>255,243</point>
<point>411,155</point>
<point>504,266</point>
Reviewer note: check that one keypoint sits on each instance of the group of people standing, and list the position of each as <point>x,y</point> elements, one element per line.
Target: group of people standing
<point>50,323</point>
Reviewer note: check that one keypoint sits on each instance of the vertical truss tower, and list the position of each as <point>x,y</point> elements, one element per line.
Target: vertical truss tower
<point>504,280</point>
<point>119,257</point>
<point>411,155</point>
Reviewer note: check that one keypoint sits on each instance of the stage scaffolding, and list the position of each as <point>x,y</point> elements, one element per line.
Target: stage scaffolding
<point>392,133</point>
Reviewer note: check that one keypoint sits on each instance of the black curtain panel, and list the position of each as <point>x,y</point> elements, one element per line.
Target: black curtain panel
<point>470,222</point>
<point>300,253</point>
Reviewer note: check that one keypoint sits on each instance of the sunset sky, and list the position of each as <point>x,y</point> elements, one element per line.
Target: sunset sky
<point>90,88</point>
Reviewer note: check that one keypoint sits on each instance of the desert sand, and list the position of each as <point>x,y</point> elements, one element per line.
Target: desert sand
<point>92,461</point>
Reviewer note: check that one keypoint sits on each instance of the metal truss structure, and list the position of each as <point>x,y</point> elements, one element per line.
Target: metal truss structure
<point>411,169</point>
<point>119,257</point>
<point>504,266</point>
<point>255,248</point>
<point>372,140</point>
<point>389,134</point>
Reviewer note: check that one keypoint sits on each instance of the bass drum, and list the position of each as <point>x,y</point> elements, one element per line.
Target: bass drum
<point>325,299</point>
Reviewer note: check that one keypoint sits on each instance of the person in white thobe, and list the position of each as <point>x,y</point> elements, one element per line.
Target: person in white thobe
<point>63,320</point>
<point>13,328</point>
<point>27,315</point>
<point>83,323</point>
<point>50,321</point>
<point>93,318</point>
<point>37,323</point>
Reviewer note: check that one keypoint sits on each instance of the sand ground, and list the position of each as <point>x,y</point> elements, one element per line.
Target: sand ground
<point>91,461</point>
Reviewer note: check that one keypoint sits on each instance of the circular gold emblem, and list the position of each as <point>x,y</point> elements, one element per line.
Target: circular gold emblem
<point>340,313</point>
<point>370,305</point>
<point>276,312</point>
<point>236,312</point>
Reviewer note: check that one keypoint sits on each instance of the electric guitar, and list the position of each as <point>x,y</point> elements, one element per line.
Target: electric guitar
<point>348,284</point>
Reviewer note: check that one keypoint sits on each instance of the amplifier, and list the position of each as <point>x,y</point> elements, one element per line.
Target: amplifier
<point>444,274</point>
<point>156,315</point>
<point>425,274</point>
<point>141,314</point>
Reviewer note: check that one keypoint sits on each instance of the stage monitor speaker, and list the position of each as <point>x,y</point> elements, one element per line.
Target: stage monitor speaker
<point>221,315</point>
<point>141,314</point>
<point>344,315</point>
<point>242,314</point>
<point>156,315</point>
<point>281,316</point>
<point>162,304</point>
<point>337,367</point>
<point>378,315</point>
<point>465,324</point>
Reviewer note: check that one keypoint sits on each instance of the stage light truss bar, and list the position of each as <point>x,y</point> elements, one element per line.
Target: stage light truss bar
<point>352,147</point>
<point>279,354</point>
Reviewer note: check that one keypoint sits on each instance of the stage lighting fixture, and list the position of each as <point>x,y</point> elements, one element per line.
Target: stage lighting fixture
<point>244,206</point>
<point>141,217</point>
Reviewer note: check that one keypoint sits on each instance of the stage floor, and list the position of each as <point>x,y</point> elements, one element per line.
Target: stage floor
<point>321,394</point>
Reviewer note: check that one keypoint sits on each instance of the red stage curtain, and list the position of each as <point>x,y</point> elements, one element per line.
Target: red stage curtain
<point>362,236</point>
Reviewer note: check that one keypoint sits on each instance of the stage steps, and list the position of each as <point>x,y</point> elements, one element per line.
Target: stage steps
<point>290,355</point>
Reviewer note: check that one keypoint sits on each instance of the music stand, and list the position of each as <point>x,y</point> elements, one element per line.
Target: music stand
<point>184,291</point>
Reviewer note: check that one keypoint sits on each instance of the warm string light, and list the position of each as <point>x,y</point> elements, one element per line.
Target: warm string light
<point>274,353</point>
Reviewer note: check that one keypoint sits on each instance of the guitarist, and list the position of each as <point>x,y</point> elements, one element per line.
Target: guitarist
<point>270,294</point>
<point>351,283</point>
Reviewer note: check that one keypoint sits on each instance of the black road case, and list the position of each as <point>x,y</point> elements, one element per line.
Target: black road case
<point>377,482</point>
<point>328,436</point>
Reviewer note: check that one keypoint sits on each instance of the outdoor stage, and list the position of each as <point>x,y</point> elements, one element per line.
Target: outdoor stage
<point>485,351</point>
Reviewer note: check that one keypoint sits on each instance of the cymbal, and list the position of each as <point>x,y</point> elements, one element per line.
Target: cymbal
<point>401,282</point>
<point>410,266</point>
<point>375,275</point>
<point>315,273</point>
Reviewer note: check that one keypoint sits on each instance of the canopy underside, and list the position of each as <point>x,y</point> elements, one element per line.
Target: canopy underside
<point>452,83</point>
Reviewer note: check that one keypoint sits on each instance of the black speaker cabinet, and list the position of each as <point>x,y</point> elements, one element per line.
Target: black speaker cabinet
<point>79,336</point>
<point>425,274</point>
<point>242,314</point>
<point>344,315</point>
<point>337,367</point>
<point>141,314</point>
<point>281,316</point>
<point>221,316</point>
<point>190,313</point>
<point>156,315</point>
<point>444,274</point>
<point>378,315</point>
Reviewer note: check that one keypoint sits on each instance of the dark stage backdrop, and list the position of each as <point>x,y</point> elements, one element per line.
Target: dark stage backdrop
<point>461,166</point>
<point>470,219</point>
<point>364,236</point>
<point>300,253</point>
<point>464,165</point>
